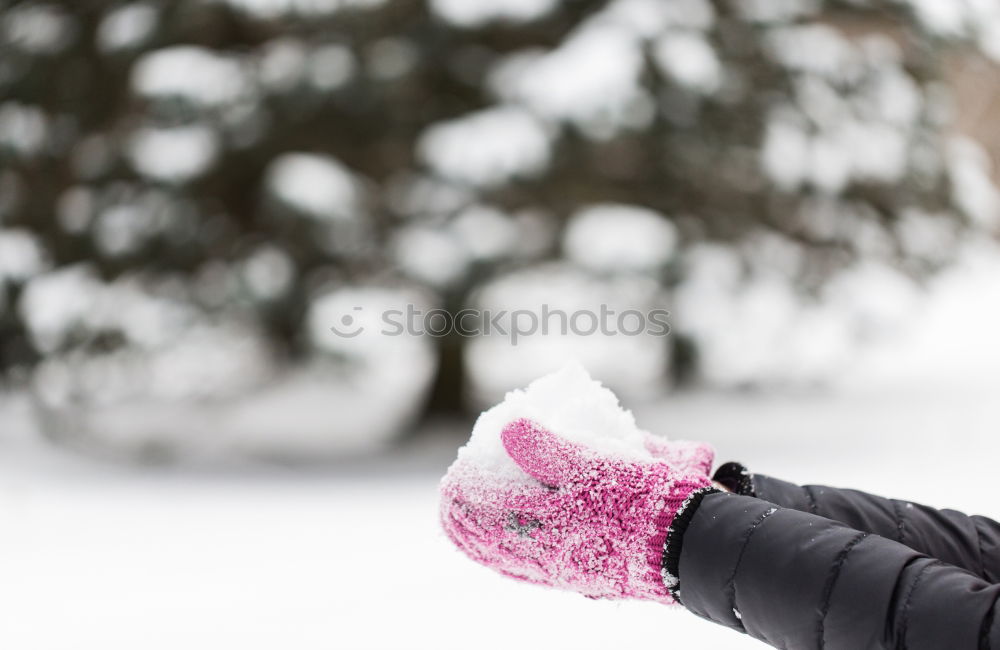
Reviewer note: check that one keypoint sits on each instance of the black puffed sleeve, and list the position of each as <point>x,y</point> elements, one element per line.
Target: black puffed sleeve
<point>797,580</point>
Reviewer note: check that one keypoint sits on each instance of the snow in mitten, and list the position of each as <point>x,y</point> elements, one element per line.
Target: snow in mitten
<point>575,518</point>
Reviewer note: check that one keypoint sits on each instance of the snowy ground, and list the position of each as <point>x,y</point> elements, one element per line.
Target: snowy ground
<point>103,556</point>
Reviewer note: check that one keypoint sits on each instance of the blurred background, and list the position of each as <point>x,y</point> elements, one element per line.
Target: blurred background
<point>192,193</point>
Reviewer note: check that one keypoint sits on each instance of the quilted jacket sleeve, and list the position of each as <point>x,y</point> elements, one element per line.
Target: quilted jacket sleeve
<point>970,542</point>
<point>798,580</point>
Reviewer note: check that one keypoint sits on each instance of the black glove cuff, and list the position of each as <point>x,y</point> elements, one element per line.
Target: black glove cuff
<point>736,478</point>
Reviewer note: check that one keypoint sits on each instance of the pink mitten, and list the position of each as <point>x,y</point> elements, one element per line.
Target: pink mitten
<point>578,520</point>
<point>686,456</point>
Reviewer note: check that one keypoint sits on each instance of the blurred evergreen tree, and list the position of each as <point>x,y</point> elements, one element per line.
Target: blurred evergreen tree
<point>321,139</point>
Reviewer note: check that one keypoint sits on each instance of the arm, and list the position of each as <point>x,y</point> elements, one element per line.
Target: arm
<point>972,543</point>
<point>797,580</point>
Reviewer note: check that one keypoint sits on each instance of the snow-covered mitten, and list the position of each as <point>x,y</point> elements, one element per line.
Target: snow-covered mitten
<point>576,519</point>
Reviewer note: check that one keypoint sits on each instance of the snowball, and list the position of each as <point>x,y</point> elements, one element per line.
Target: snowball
<point>567,402</point>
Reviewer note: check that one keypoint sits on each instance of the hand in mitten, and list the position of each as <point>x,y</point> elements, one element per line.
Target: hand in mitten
<point>577,519</point>
<point>685,456</point>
